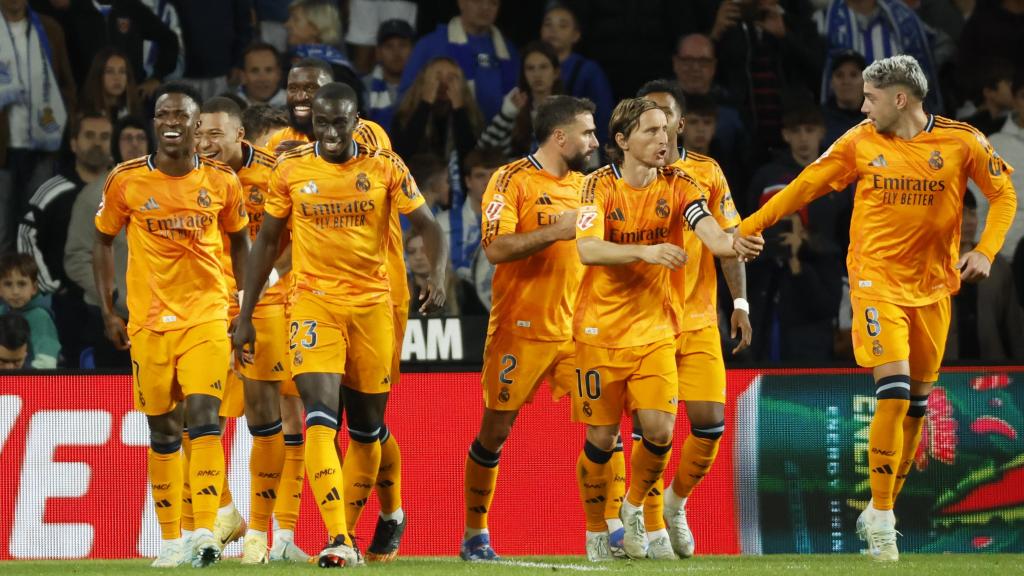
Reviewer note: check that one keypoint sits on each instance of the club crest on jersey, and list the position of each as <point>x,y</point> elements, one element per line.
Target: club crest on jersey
<point>363,182</point>
<point>494,208</point>
<point>298,358</point>
<point>662,209</point>
<point>255,196</point>
<point>935,161</point>
<point>310,188</point>
<point>876,348</point>
<point>203,199</point>
<point>504,395</point>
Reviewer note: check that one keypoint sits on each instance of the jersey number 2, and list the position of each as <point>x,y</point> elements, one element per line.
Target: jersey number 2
<point>509,362</point>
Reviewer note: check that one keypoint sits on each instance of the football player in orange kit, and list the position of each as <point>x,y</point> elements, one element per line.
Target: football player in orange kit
<point>911,170</point>
<point>304,79</point>
<point>220,137</point>
<point>529,219</point>
<point>339,197</point>
<point>699,363</point>
<point>629,236</point>
<point>175,206</point>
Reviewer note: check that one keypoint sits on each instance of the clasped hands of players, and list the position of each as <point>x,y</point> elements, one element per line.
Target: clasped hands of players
<point>974,266</point>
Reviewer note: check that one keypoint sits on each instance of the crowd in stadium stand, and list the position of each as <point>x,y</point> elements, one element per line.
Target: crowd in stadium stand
<point>769,85</point>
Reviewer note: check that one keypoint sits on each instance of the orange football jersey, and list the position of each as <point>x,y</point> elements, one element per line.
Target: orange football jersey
<point>175,278</point>
<point>254,176</point>
<point>340,216</point>
<point>907,211</point>
<point>532,297</point>
<point>371,135</point>
<point>633,304</point>
<point>699,288</point>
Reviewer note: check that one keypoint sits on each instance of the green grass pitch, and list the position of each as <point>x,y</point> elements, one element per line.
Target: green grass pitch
<point>818,565</point>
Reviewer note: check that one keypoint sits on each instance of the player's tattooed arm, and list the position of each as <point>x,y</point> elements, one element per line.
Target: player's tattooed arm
<point>509,247</point>
<point>423,223</point>
<point>735,273</point>
<point>103,272</point>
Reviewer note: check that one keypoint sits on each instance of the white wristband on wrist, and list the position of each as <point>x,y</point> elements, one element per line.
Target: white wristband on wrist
<point>273,278</point>
<point>241,296</point>
<point>741,304</point>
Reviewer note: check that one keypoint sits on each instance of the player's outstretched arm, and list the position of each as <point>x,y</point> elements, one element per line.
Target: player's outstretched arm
<point>423,223</point>
<point>726,245</point>
<point>103,272</point>
<point>597,252</point>
<point>516,246</point>
<point>991,174</point>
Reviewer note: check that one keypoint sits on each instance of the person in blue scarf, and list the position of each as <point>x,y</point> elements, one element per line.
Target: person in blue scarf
<point>878,29</point>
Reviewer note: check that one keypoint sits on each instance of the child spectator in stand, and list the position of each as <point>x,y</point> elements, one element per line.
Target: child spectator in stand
<point>431,176</point>
<point>14,336</point>
<point>20,295</point>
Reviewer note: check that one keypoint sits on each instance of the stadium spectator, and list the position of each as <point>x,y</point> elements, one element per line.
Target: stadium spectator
<point>987,322</point>
<point>702,117</point>
<point>842,109</point>
<point>461,224</point>
<point>129,140</point>
<point>633,40</point>
<point>35,96</point>
<point>768,56</point>
<point>44,227</point>
<point>947,16</point>
<point>795,286</point>
<point>994,96</point>
<point>581,77</point>
<point>1009,143</point>
<point>857,25</point>
<point>260,121</point>
<point>695,66</point>
<point>994,29</point>
<point>475,45</point>
<point>394,45</point>
<point>110,87</point>
<point>431,175</point>
<point>270,18</point>
<point>315,31</point>
<point>261,76</point>
<point>215,36</point>
<point>419,272</point>
<point>14,338</point>
<point>19,294</point>
<point>167,14</point>
<point>366,18</point>
<point>511,130</point>
<point>122,24</point>
<point>438,115</point>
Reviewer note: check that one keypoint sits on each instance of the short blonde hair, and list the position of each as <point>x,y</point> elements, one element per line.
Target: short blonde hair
<point>901,70</point>
<point>325,16</point>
